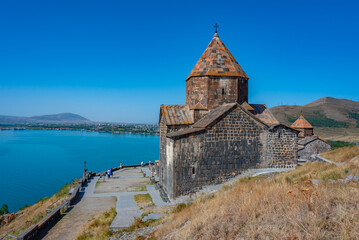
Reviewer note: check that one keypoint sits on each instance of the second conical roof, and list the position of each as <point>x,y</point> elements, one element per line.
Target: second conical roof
<point>301,122</point>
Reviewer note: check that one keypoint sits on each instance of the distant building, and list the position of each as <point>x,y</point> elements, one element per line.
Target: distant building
<point>302,125</point>
<point>308,143</point>
<point>217,133</point>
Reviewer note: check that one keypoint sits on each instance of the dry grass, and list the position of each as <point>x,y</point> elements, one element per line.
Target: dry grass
<point>320,170</point>
<point>338,134</point>
<point>32,214</point>
<point>342,154</point>
<point>137,188</point>
<point>98,228</point>
<point>143,200</point>
<point>275,208</point>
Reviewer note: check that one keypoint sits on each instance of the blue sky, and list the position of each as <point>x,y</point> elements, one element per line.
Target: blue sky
<point>119,60</point>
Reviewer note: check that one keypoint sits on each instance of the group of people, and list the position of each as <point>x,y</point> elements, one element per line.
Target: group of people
<point>109,172</point>
<point>142,164</point>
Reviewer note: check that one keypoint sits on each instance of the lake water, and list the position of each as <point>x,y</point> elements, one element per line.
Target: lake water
<point>37,163</point>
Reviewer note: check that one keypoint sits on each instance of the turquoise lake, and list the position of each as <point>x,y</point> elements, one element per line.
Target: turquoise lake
<point>37,163</point>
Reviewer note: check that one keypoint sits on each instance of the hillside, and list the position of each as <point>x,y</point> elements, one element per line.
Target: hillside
<point>332,118</point>
<point>311,202</point>
<point>32,214</point>
<point>53,118</point>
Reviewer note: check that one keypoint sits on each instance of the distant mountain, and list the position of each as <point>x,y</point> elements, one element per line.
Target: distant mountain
<point>65,118</point>
<point>331,117</point>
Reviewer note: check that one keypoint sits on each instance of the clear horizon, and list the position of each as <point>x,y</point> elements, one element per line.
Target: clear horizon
<point>109,121</point>
<point>114,61</point>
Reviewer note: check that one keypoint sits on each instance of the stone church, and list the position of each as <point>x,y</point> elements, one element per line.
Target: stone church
<point>217,133</point>
<point>308,143</point>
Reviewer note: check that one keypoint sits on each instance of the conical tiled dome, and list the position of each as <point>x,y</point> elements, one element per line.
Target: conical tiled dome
<point>217,61</point>
<point>301,122</point>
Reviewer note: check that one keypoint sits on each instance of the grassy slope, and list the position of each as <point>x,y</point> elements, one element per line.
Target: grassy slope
<point>335,119</point>
<point>32,214</point>
<point>288,206</point>
<point>342,154</point>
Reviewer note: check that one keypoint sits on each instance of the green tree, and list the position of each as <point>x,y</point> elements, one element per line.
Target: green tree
<point>4,209</point>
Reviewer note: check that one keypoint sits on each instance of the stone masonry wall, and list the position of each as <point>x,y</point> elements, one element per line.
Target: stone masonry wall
<point>233,144</point>
<point>282,146</point>
<point>304,132</point>
<point>196,92</point>
<point>165,170</point>
<point>211,92</point>
<point>315,147</point>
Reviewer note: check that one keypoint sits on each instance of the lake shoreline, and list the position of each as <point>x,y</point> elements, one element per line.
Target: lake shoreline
<point>35,163</point>
<point>82,130</point>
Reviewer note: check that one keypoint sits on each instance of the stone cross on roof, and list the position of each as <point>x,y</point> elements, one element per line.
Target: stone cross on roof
<point>216,27</point>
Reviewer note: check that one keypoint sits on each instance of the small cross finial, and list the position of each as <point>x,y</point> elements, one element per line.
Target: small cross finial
<point>216,27</point>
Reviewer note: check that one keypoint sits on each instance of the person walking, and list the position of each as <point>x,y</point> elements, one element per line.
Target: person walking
<point>142,164</point>
<point>109,173</point>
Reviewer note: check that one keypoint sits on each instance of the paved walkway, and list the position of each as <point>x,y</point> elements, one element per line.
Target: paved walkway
<point>126,207</point>
<point>91,204</point>
<point>71,225</point>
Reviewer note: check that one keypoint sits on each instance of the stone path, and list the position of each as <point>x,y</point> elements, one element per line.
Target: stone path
<point>91,204</point>
<point>70,226</point>
<point>320,158</point>
<point>155,195</point>
<point>126,207</point>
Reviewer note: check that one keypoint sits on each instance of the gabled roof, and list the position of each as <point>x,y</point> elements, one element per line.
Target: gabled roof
<point>262,112</point>
<point>213,115</point>
<point>177,114</point>
<point>275,126</point>
<point>184,132</point>
<point>310,139</point>
<point>247,106</point>
<point>207,120</point>
<point>217,61</point>
<point>301,122</point>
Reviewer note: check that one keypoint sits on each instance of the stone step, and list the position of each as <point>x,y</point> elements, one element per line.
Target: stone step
<point>302,161</point>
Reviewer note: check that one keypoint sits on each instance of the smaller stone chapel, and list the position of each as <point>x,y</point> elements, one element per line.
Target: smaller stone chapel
<point>217,134</point>
<point>308,143</point>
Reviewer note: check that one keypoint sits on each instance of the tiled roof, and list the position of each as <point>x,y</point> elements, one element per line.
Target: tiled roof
<point>214,115</point>
<point>205,121</point>
<point>210,118</point>
<point>301,122</point>
<point>217,61</point>
<point>184,132</point>
<point>247,106</point>
<point>275,126</point>
<point>310,139</point>
<point>264,114</point>
<point>177,114</point>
